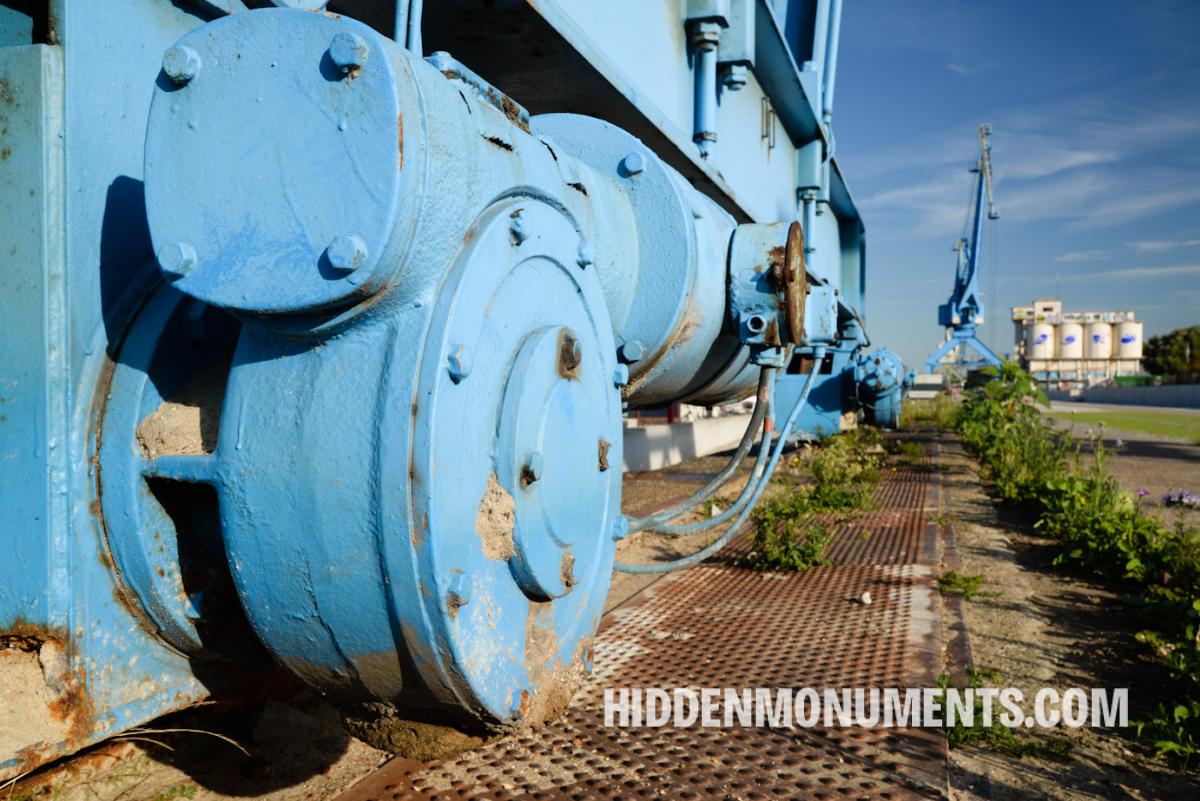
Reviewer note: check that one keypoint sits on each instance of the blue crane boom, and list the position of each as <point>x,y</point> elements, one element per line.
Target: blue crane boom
<point>963,313</point>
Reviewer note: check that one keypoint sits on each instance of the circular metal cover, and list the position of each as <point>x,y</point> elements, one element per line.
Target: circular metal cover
<point>795,282</point>
<point>514,484</point>
<point>269,154</point>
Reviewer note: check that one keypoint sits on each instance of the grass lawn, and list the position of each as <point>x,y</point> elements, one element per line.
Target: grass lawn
<point>1163,424</point>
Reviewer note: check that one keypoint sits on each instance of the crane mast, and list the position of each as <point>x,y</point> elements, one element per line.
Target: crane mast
<point>963,312</point>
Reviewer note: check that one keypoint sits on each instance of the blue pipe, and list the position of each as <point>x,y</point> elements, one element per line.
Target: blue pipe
<point>705,37</point>
<point>761,479</point>
<point>400,28</point>
<point>820,33</point>
<point>413,42</point>
<point>809,199</point>
<point>829,75</point>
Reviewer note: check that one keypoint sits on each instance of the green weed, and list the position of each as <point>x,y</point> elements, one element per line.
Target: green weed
<point>969,587</point>
<point>785,536</point>
<point>1097,526</point>
<point>995,735</point>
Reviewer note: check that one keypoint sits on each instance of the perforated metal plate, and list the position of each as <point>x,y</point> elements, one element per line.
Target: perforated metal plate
<point>718,625</point>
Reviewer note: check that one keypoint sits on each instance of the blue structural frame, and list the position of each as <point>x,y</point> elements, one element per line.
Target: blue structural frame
<point>963,312</point>
<point>319,342</point>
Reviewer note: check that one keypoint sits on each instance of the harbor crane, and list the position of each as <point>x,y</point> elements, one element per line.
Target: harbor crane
<point>963,313</point>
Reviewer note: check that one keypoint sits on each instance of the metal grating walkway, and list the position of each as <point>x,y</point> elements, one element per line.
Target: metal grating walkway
<point>717,625</point>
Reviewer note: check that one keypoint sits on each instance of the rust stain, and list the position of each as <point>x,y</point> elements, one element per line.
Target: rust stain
<point>72,706</point>
<point>771,336</point>
<point>777,256</point>
<point>578,187</point>
<point>29,637</point>
<point>513,112</point>
<point>400,140</point>
<point>454,602</point>
<point>602,446</point>
<point>567,569</point>
<point>570,360</point>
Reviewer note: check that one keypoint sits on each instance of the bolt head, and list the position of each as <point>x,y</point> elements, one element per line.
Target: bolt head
<point>176,259</point>
<point>620,528</point>
<point>458,363</point>
<point>347,252</point>
<point>736,77</point>
<point>181,63</point>
<point>348,51</point>
<point>633,163</point>
<point>621,375</point>
<point>632,351</point>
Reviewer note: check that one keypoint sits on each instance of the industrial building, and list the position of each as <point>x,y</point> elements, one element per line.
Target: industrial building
<point>1076,349</point>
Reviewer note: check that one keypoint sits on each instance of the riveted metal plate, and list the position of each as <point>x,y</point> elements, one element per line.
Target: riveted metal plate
<point>718,625</point>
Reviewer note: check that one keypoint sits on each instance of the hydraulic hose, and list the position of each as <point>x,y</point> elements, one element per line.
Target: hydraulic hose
<point>760,462</point>
<point>766,388</point>
<point>760,481</point>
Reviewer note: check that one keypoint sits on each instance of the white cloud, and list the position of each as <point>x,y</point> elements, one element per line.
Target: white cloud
<point>1162,245</point>
<point>1164,271</point>
<point>1084,255</point>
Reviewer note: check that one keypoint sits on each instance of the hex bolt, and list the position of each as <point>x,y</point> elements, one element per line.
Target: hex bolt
<point>633,163</point>
<point>194,605</point>
<point>620,528</point>
<point>176,259</point>
<point>632,351</point>
<point>181,63</point>
<point>735,77</point>
<point>347,252</point>
<point>458,363</point>
<point>457,589</point>
<point>517,230</point>
<point>532,470</point>
<point>349,52</point>
<point>621,375</point>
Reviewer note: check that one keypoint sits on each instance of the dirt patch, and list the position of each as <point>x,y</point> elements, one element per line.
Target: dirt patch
<point>1045,627</point>
<point>294,750</point>
<point>384,727</point>
<point>495,520</point>
<point>33,696</point>
<point>188,422</point>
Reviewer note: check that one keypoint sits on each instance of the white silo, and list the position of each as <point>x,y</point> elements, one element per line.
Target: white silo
<point>1070,341</point>
<point>1129,340</point>
<point>1098,344</point>
<point>1040,341</point>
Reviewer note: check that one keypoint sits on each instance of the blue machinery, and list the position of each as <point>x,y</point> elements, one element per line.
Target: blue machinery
<point>963,313</point>
<point>318,348</point>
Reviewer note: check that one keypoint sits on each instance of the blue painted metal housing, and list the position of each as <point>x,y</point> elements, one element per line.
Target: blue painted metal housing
<point>323,345</point>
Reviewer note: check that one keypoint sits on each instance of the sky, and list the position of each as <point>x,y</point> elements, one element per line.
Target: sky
<point>1095,114</point>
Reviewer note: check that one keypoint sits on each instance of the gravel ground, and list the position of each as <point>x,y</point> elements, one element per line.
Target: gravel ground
<point>1042,626</point>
